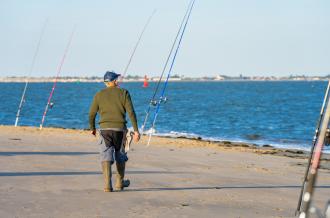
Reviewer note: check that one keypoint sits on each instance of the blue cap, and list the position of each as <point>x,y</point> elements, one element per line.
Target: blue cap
<point>110,76</point>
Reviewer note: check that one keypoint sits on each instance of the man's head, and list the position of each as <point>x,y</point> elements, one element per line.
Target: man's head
<point>110,78</point>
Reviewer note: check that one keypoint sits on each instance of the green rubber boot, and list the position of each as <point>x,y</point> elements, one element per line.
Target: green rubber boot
<point>121,183</point>
<point>106,168</point>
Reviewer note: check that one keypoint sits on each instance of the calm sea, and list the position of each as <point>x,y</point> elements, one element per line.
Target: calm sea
<point>282,114</point>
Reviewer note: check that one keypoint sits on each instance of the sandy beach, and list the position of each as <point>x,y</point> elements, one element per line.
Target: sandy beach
<point>56,173</point>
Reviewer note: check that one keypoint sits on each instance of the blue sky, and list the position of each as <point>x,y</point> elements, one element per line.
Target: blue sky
<point>232,37</point>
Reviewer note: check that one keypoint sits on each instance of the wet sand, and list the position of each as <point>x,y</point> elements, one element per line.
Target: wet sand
<point>56,173</point>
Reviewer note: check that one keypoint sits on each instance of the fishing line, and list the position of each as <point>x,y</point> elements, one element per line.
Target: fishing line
<point>56,78</point>
<point>152,101</point>
<point>137,44</point>
<point>169,73</point>
<point>30,72</point>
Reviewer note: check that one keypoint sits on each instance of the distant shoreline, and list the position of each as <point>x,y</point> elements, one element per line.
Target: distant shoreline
<point>173,78</point>
<point>61,80</point>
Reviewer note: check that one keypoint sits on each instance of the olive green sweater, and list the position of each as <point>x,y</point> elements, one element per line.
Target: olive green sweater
<point>112,103</point>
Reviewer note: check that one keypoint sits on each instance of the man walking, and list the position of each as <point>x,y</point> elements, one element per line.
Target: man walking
<point>112,103</point>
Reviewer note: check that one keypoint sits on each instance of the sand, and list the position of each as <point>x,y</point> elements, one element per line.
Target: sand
<point>56,173</point>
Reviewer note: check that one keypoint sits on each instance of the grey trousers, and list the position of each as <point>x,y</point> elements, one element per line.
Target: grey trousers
<point>111,146</point>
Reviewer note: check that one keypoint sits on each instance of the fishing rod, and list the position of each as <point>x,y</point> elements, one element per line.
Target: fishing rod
<point>137,44</point>
<point>30,72</point>
<point>316,134</point>
<point>152,101</point>
<point>56,78</point>
<point>306,208</point>
<point>162,97</point>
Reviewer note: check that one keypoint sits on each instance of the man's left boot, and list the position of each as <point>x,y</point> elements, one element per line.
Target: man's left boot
<point>121,183</point>
<point>106,168</point>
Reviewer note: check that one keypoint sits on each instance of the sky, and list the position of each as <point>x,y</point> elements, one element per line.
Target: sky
<point>227,37</point>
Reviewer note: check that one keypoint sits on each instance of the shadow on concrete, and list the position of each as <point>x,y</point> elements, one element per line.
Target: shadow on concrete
<point>14,174</point>
<point>48,173</point>
<point>223,187</point>
<point>18,153</point>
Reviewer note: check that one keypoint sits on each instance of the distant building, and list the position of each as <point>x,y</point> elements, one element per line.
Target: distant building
<point>219,77</point>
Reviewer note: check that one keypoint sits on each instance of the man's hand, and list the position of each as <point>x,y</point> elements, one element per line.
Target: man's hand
<point>136,136</point>
<point>93,132</point>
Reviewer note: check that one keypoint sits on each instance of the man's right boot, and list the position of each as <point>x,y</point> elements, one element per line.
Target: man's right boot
<point>120,182</point>
<point>106,168</point>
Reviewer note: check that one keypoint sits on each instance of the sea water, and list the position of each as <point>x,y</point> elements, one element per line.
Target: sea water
<point>279,113</point>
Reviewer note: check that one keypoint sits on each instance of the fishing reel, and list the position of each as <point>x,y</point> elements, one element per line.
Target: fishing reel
<point>327,138</point>
<point>51,105</point>
<point>316,212</point>
<point>327,210</point>
<point>153,102</point>
<point>161,100</point>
